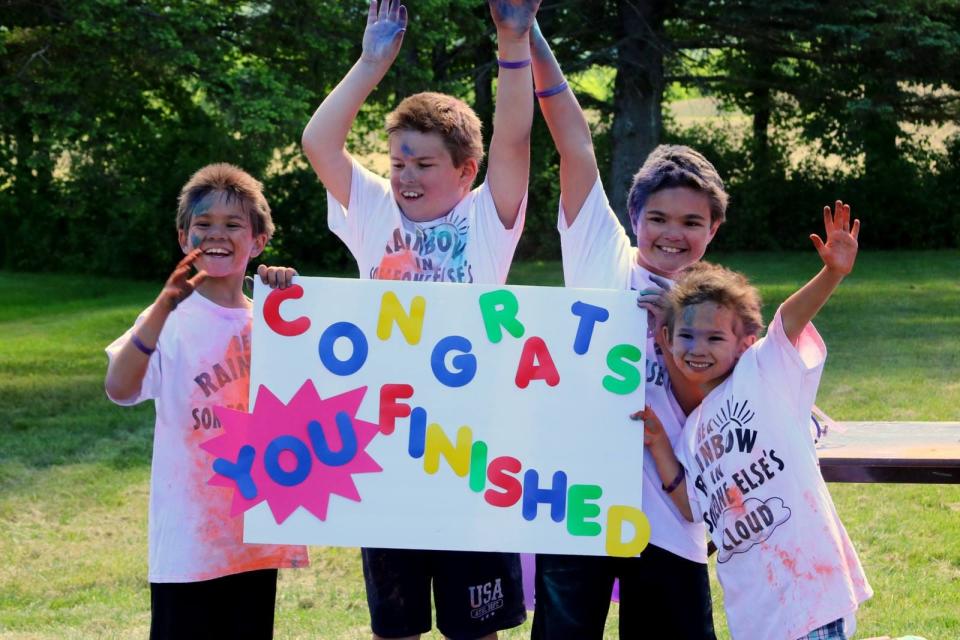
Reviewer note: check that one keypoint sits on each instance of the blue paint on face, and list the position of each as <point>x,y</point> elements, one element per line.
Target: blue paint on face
<point>195,240</point>
<point>407,150</point>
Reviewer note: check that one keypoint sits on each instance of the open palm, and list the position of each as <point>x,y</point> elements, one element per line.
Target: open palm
<point>839,251</point>
<point>386,24</point>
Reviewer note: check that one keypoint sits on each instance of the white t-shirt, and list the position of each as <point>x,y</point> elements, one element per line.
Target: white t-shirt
<point>202,361</point>
<point>597,254</point>
<point>784,559</point>
<point>469,244</point>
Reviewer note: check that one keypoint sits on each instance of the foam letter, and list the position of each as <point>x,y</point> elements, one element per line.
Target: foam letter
<point>457,456</point>
<point>497,474</point>
<point>578,510</point>
<point>392,311</point>
<point>239,471</point>
<point>616,515</point>
<point>589,315</point>
<point>465,364</point>
<point>499,310</point>
<point>271,312</point>
<point>618,360</point>
<point>343,330</point>
<point>533,495</point>
<point>390,409</point>
<point>418,432</point>
<point>271,461</point>
<point>478,466</point>
<point>348,441</point>
<point>535,351</point>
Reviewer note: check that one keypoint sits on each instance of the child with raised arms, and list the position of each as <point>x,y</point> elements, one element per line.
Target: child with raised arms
<point>745,464</point>
<point>189,352</point>
<point>676,204</point>
<point>427,222</point>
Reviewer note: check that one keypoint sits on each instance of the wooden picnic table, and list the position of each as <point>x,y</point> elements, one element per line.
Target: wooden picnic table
<point>912,452</point>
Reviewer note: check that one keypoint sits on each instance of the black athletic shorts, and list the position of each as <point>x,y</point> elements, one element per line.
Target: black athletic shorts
<point>235,606</point>
<point>662,595</point>
<point>476,593</point>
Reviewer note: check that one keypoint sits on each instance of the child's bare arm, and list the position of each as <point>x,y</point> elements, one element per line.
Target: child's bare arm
<point>568,128</point>
<point>838,254</point>
<point>668,467</point>
<point>128,367</point>
<point>325,136</point>
<point>508,169</point>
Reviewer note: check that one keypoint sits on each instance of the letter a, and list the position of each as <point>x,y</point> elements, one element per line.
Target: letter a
<point>535,351</point>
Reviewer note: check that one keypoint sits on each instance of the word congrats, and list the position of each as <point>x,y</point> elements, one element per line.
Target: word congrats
<point>438,416</point>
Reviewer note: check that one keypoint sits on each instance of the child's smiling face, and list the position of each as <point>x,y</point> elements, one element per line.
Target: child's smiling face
<point>706,343</point>
<point>425,182</point>
<point>673,230</point>
<point>223,231</point>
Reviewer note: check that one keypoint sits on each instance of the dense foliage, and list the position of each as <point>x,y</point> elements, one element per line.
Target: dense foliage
<point>107,107</point>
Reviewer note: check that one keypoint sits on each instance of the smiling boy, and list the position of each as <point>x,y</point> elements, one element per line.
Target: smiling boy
<point>676,204</point>
<point>428,223</point>
<point>204,581</point>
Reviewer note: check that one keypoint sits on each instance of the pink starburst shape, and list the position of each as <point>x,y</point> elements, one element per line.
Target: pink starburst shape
<point>292,455</point>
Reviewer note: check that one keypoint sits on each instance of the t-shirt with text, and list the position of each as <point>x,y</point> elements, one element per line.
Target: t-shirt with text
<point>784,560</point>
<point>202,361</point>
<point>467,245</point>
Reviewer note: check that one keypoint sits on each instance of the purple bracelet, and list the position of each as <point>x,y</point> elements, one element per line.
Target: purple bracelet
<point>551,91</point>
<point>676,482</point>
<point>513,64</point>
<point>139,345</point>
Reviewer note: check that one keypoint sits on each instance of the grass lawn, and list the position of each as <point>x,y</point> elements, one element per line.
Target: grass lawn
<point>74,469</point>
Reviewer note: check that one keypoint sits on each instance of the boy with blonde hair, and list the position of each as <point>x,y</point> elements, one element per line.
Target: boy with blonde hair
<point>189,352</point>
<point>427,222</point>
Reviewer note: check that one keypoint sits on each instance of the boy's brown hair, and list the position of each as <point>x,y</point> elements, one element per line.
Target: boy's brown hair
<point>670,166</point>
<point>706,282</point>
<point>451,118</point>
<point>235,184</point>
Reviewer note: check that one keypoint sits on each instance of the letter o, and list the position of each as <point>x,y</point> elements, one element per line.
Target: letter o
<point>329,359</point>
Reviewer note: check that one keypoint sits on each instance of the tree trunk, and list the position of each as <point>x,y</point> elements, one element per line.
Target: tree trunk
<point>638,92</point>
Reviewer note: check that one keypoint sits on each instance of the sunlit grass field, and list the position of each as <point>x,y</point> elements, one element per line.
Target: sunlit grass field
<point>74,469</point>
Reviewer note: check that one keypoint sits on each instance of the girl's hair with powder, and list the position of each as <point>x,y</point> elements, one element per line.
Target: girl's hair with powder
<point>706,282</point>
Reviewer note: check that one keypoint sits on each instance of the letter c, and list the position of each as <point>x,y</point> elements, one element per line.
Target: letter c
<point>271,312</point>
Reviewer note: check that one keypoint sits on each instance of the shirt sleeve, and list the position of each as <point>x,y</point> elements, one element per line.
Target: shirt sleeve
<point>495,244</point>
<point>150,386</point>
<point>370,198</point>
<point>793,369</point>
<point>596,250</point>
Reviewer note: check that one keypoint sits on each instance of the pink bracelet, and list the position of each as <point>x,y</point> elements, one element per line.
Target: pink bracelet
<point>139,345</point>
<point>513,64</point>
<point>551,91</point>
<point>676,482</point>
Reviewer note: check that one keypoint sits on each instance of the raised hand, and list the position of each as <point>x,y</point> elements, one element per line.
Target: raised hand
<point>386,24</point>
<point>514,16</point>
<point>840,249</point>
<point>179,285</point>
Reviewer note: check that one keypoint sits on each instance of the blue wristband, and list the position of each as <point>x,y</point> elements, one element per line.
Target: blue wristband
<point>551,91</point>
<point>139,345</point>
